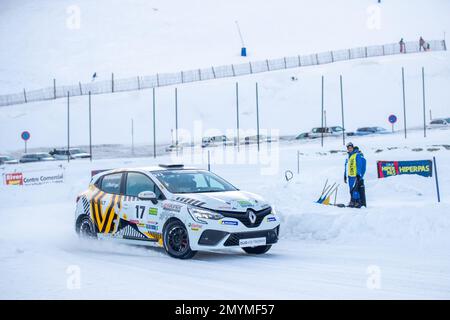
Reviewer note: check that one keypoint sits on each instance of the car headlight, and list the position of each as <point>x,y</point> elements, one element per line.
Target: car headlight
<point>198,214</point>
<point>273,211</point>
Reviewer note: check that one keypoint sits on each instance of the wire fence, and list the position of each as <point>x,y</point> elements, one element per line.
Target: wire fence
<point>233,70</point>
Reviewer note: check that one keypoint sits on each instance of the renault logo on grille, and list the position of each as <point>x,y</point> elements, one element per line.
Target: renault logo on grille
<point>251,216</point>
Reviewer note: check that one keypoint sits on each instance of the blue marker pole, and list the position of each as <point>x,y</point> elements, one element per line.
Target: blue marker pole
<point>436,178</point>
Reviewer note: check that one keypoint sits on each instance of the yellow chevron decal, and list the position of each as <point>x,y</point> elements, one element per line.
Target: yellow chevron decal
<point>112,214</point>
<point>98,210</point>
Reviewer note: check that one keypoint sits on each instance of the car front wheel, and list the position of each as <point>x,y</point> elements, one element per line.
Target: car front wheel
<point>176,241</point>
<point>257,250</point>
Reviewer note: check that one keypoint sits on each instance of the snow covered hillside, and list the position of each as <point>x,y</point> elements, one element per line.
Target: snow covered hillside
<point>70,40</point>
<point>372,91</point>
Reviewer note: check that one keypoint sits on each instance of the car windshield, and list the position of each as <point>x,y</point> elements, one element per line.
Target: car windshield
<point>192,181</point>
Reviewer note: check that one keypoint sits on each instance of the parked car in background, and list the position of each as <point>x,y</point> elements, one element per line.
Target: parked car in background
<point>304,135</point>
<point>318,132</point>
<point>75,153</point>
<point>254,139</point>
<point>216,140</point>
<point>437,123</point>
<point>337,130</point>
<point>173,148</point>
<point>8,160</point>
<point>36,157</point>
<point>370,130</point>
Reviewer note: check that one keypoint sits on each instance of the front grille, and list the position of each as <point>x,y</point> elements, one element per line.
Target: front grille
<point>244,218</point>
<point>270,235</point>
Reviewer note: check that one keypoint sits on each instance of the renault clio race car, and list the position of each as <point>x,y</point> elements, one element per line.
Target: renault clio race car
<point>183,210</point>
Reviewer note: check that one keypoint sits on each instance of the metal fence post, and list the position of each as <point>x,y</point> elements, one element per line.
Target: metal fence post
<point>81,91</point>
<point>139,82</point>
<point>237,116</point>
<point>176,119</point>
<point>54,88</point>
<point>90,127</point>
<point>436,179</point>
<point>154,123</point>
<point>209,161</point>
<point>251,70</point>
<point>25,95</point>
<point>112,82</point>
<point>423,96</point>
<point>157,79</point>
<point>404,102</point>
<point>199,74</point>
<point>68,126</point>
<point>299,61</point>
<point>321,130</point>
<point>257,115</point>
<point>267,63</point>
<point>342,109</point>
<point>232,68</point>
<point>332,56</point>
<point>214,73</point>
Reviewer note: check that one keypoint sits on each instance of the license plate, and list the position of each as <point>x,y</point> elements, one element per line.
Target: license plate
<point>253,242</point>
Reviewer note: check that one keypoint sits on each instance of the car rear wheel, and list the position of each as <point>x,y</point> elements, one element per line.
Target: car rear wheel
<point>257,250</point>
<point>176,241</point>
<point>86,228</point>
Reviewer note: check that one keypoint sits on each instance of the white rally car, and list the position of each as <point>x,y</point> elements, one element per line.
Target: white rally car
<point>181,209</point>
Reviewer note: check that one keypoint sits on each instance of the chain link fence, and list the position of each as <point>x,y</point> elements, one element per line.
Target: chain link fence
<point>233,70</point>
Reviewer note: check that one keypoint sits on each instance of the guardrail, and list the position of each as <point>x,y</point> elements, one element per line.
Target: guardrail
<point>232,70</point>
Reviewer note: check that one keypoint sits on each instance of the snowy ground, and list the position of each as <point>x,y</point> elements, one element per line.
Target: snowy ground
<point>397,247</point>
<point>401,239</point>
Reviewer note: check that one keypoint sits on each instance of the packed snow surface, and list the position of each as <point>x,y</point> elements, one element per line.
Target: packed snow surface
<point>401,238</point>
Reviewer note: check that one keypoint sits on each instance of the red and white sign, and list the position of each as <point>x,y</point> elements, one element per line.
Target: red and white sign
<point>14,178</point>
<point>33,178</point>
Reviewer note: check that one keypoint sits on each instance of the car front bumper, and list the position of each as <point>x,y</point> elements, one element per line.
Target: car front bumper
<point>221,239</point>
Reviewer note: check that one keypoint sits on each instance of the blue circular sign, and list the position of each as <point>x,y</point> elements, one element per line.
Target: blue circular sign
<point>25,135</point>
<point>392,118</point>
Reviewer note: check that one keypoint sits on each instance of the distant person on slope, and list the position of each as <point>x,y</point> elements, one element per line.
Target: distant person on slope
<point>355,168</point>
<point>422,44</point>
<point>402,46</point>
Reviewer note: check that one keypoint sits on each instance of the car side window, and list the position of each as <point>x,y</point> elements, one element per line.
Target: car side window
<point>138,182</point>
<point>111,183</point>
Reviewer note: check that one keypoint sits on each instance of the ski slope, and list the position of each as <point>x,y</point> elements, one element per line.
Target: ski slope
<point>324,251</point>
<point>70,40</point>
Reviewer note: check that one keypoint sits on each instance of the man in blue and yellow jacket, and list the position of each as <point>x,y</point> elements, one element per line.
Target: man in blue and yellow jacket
<point>355,168</point>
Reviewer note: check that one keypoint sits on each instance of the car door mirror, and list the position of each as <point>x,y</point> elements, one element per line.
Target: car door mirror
<point>148,195</point>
